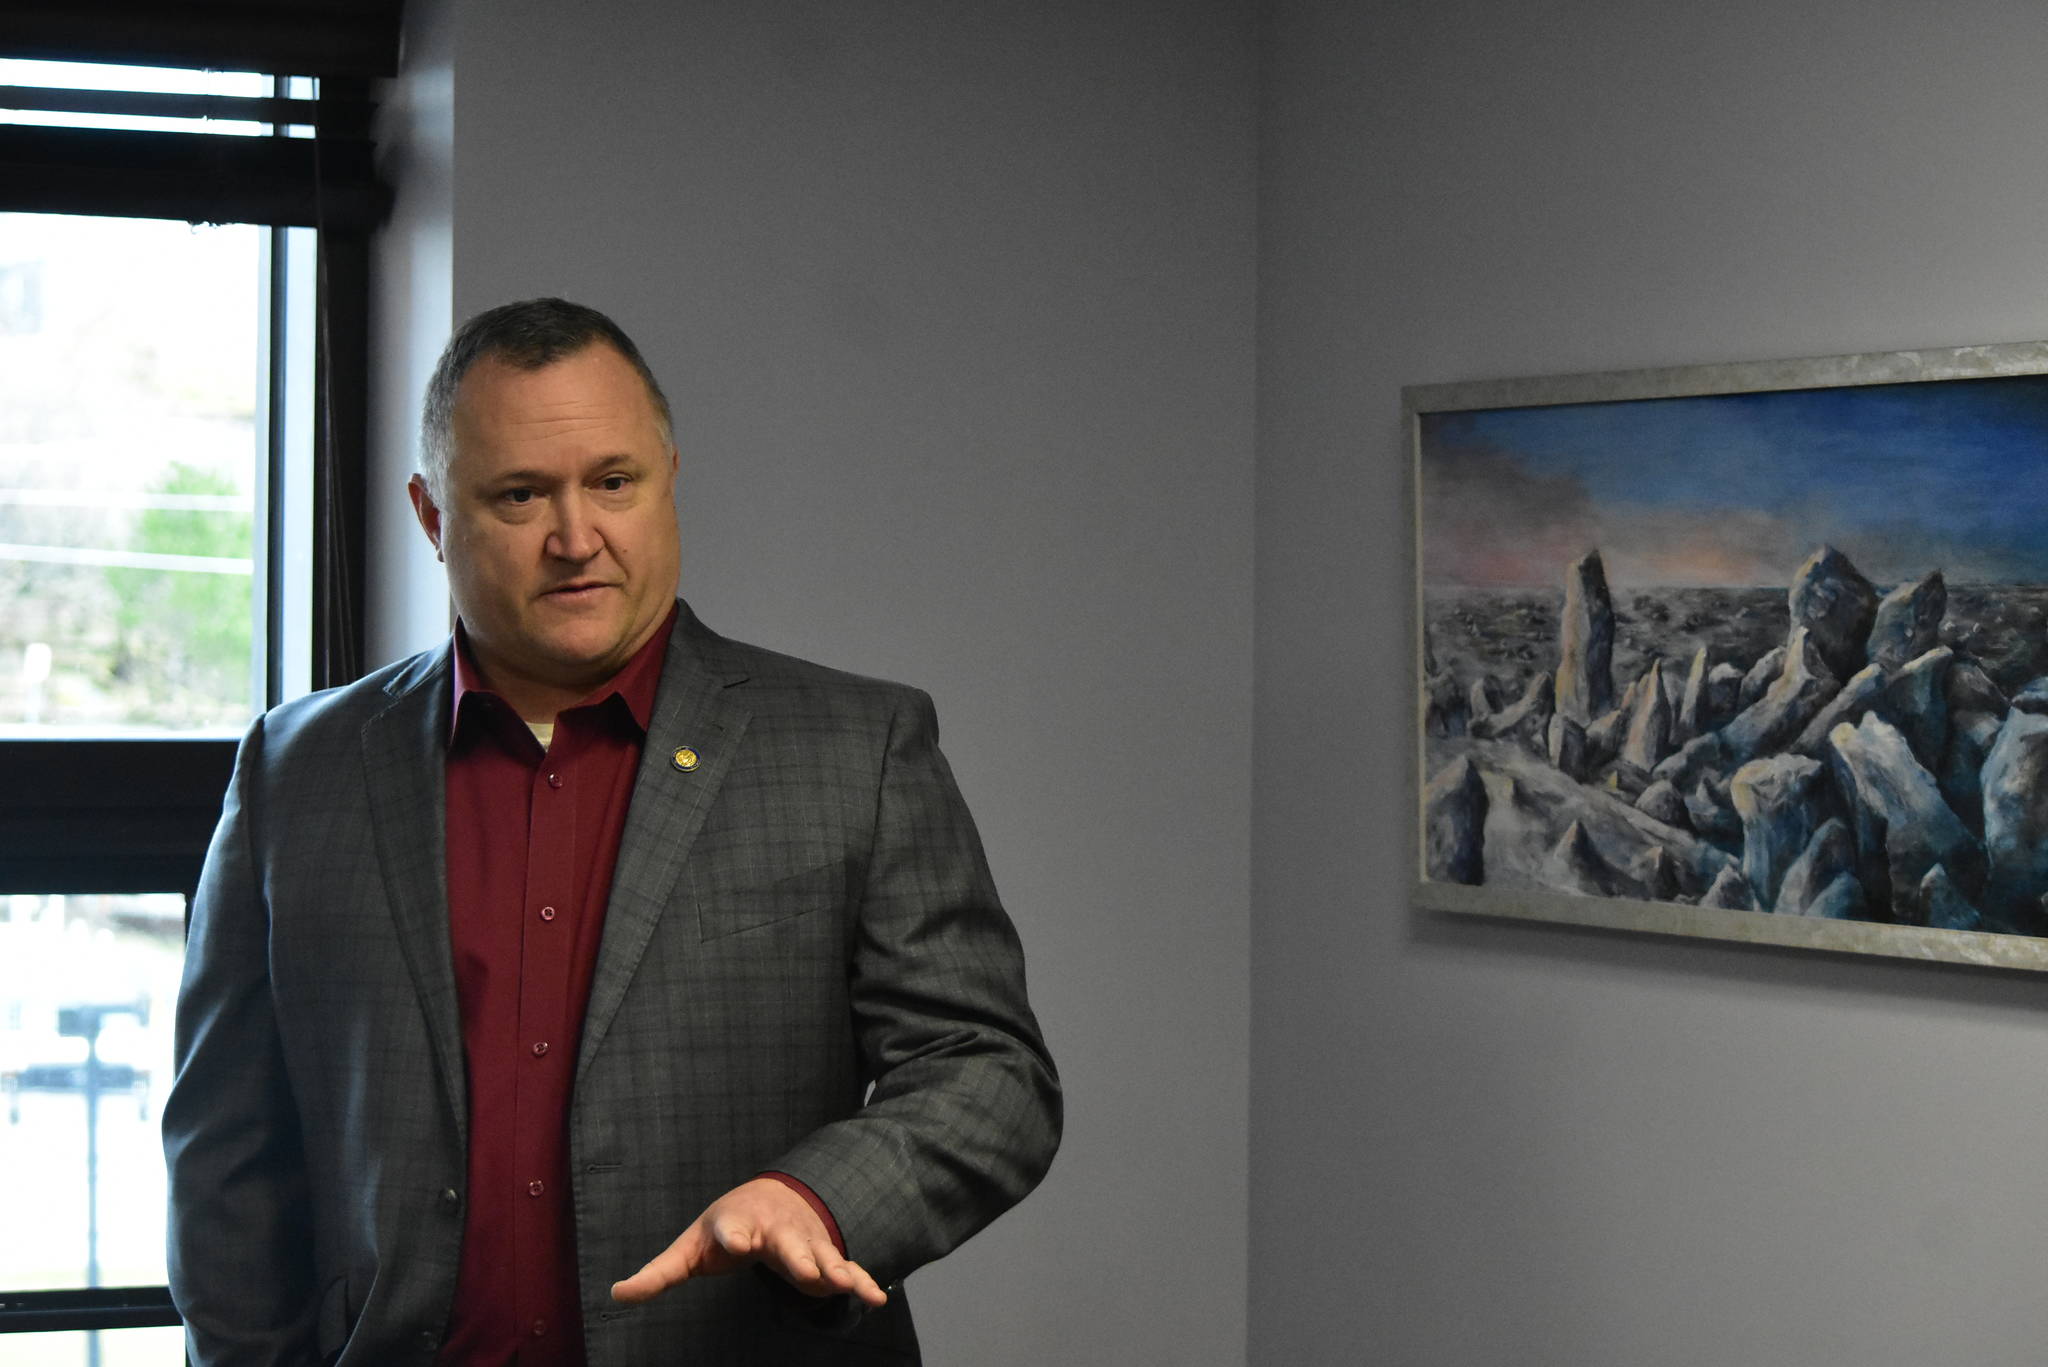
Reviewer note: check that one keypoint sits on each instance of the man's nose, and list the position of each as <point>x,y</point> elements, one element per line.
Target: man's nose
<point>574,535</point>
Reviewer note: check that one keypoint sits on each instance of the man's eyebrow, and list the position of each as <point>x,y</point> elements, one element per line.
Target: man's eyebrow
<point>610,461</point>
<point>510,477</point>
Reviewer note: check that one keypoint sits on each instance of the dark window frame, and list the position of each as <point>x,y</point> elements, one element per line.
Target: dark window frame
<point>136,815</point>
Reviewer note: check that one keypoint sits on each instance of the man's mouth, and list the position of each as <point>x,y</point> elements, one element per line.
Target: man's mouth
<point>578,588</point>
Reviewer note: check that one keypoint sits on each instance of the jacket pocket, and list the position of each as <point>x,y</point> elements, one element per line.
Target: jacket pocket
<point>727,908</point>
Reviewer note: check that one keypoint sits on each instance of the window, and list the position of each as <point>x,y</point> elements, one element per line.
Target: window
<point>132,478</point>
<point>85,985</point>
<point>183,280</point>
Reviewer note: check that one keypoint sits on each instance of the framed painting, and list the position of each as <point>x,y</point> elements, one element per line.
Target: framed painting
<point>1755,652</point>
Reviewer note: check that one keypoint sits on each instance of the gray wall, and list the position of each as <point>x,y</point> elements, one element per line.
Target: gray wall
<point>412,282</point>
<point>1491,1144</point>
<point>955,304</point>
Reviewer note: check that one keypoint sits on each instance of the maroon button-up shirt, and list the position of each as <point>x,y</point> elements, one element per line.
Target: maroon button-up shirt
<point>532,836</point>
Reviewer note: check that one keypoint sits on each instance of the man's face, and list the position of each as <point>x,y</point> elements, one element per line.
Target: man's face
<point>557,523</point>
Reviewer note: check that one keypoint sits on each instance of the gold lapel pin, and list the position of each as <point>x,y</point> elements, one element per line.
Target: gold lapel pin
<point>684,759</point>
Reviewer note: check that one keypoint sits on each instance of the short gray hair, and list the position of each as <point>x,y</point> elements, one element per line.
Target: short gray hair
<point>527,335</point>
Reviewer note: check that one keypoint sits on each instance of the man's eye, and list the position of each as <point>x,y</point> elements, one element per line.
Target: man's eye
<point>612,484</point>
<point>517,495</point>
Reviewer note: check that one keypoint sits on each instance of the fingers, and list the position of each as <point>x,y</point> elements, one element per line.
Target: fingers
<point>707,1247</point>
<point>852,1277</point>
<point>761,1221</point>
<point>735,1238</point>
<point>666,1268</point>
<point>789,1252</point>
<point>815,1267</point>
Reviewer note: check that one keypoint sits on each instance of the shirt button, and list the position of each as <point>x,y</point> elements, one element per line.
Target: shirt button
<point>429,1340</point>
<point>554,780</point>
<point>450,1198</point>
<point>547,913</point>
<point>536,1187</point>
<point>540,1327</point>
<point>540,1049</point>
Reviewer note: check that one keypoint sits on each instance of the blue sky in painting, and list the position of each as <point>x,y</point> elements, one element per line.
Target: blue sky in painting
<point>1904,478</point>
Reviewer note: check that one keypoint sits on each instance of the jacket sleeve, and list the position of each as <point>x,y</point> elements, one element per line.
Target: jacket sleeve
<point>964,1113</point>
<point>240,1257</point>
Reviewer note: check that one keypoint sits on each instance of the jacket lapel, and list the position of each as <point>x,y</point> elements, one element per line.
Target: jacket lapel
<point>671,795</point>
<point>403,752</point>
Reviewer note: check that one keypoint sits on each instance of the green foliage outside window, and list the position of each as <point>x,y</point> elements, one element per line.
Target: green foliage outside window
<point>183,637</point>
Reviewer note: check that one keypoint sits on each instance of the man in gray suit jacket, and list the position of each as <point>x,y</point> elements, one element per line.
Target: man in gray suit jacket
<point>800,1037</point>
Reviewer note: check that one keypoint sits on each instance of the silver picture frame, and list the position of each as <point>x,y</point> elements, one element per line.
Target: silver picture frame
<point>1914,462</point>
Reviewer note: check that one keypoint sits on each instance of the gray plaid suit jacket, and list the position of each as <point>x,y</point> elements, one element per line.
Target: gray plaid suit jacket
<point>804,967</point>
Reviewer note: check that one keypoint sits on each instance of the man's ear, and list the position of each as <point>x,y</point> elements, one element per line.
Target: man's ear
<point>424,508</point>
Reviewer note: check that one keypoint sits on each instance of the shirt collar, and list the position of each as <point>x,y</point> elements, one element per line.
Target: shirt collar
<point>634,684</point>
